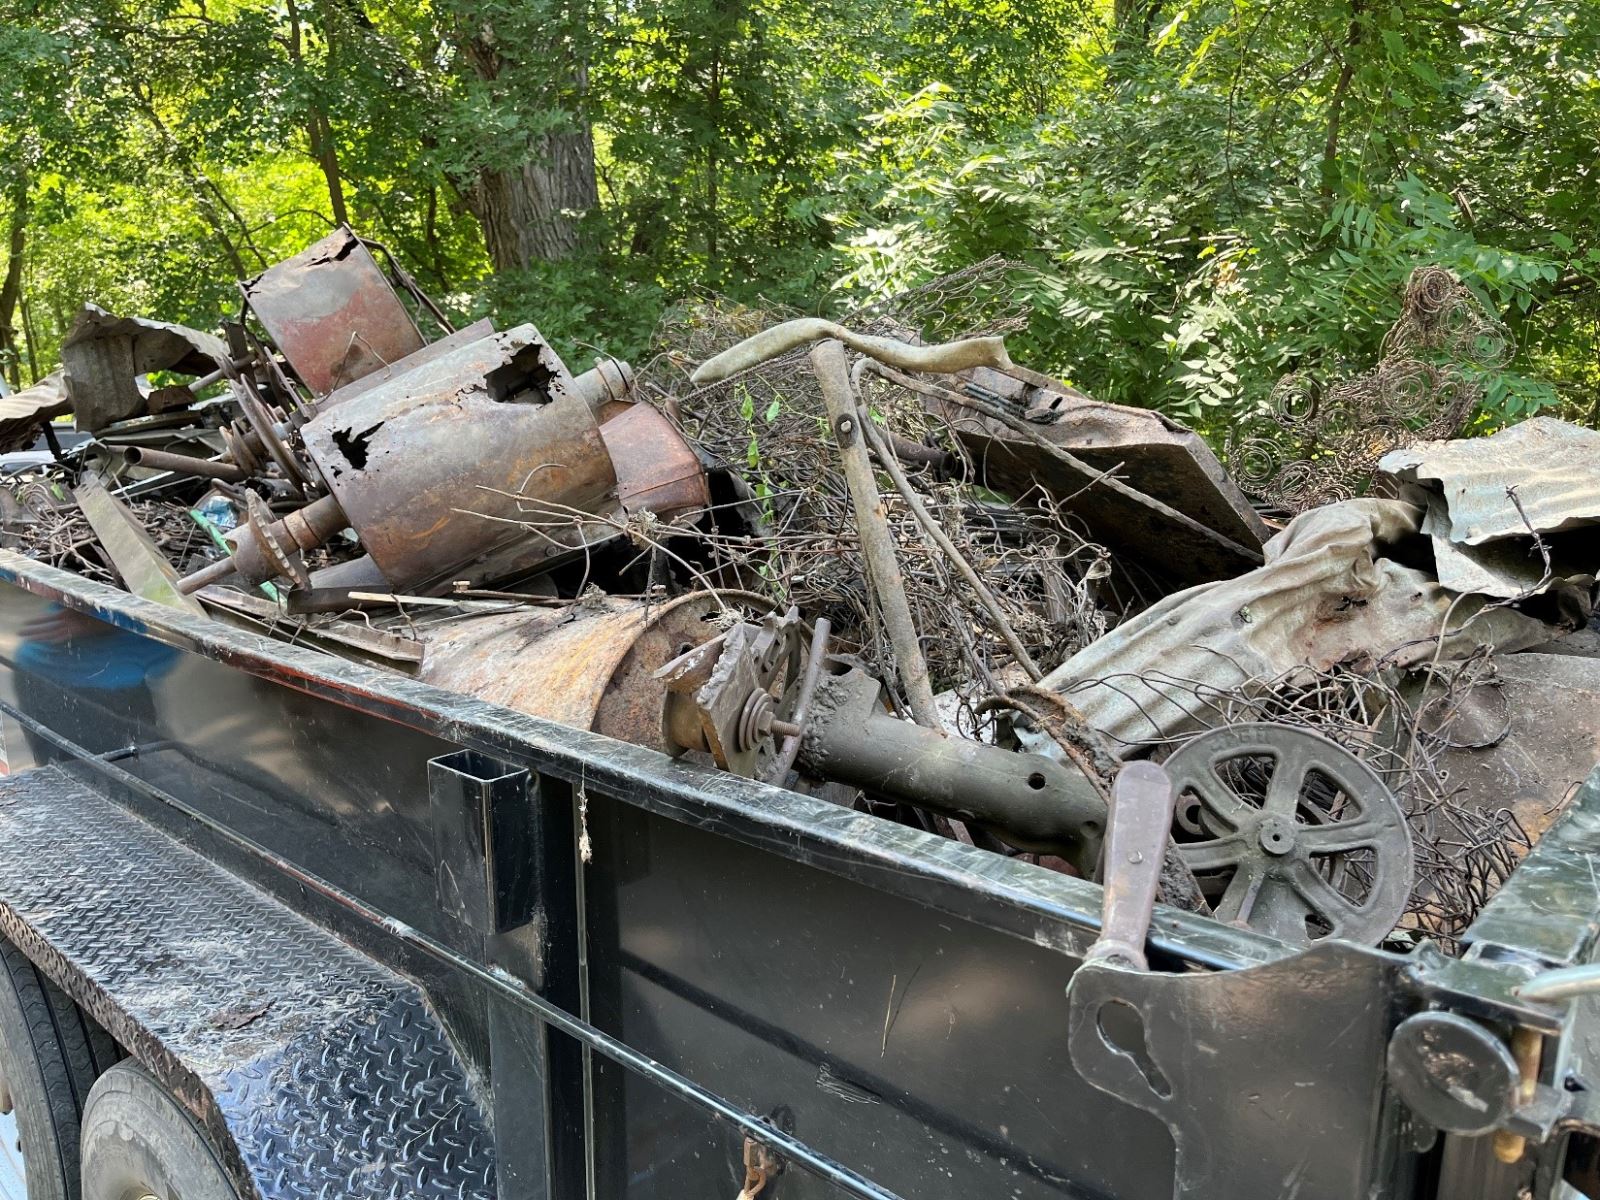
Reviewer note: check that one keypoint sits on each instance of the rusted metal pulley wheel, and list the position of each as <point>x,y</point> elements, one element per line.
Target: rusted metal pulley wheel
<point>1290,834</point>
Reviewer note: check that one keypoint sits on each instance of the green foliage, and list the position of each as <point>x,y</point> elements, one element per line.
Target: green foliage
<point>1206,196</point>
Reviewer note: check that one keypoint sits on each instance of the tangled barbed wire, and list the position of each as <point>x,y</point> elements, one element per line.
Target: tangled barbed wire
<point>1403,726</point>
<point>1320,442</point>
<point>769,426</point>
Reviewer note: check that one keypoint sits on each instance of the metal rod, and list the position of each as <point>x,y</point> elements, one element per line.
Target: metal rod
<point>872,523</point>
<point>1527,1046</point>
<point>205,576</point>
<point>802,704</point>
<point>1562,984</point>
<point>1066,458</point>
<point>932,529</point>
<point>205,381</point>
<point>183,464</point>
<point>495,979</point>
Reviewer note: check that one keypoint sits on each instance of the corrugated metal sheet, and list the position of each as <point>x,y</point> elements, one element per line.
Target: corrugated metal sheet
<point>1328,594</point>
<point>1554,466</point>
<point>22,415</point>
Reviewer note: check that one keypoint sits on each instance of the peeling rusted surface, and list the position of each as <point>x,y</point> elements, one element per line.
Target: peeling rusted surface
<point>657,471</point>
<point>475,332</point>
<point>332,313</point>
<point>590,666</point>
<point>476,465</point>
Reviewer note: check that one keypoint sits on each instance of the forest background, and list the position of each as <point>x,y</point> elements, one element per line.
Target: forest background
<point>1202,197</point>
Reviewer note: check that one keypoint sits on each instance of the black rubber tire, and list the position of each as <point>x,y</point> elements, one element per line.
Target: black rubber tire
<point>139,1141</point>
<point>50,1054</point>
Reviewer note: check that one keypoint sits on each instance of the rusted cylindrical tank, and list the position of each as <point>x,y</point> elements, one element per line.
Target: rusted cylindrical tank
<point>475,465</point>
<point>590,666</point>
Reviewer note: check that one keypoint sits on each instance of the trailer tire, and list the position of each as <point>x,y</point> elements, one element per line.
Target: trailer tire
<point>139,1141</point>
<point>50,1054</point>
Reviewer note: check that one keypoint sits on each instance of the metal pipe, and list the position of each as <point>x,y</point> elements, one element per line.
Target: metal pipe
<point>238,364</point>
<point>609,381</point>
<point>1032,802</point>
<point>1527,1047</point>
<point>183,464</point>
<point>872,523</point>
<point>944,359</point>
<point>935,532</point>
<point>1562,984</point>
<point>205,576</point>
<point>262,548</point>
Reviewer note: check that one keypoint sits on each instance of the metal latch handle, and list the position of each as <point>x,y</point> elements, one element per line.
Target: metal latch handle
<point>1137,830</point>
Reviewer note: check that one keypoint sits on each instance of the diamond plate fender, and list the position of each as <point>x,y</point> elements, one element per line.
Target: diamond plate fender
<point>319,1073</point>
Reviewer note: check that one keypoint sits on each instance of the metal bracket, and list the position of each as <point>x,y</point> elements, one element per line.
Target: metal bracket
<point>487,833</point>
<point>1159,1042</point>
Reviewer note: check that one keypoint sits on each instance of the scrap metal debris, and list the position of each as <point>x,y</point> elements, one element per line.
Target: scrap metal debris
<point>1320,442</point>
<point>880,562</point>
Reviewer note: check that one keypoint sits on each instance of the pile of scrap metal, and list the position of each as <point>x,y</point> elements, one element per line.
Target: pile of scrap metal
<point>464,509</point>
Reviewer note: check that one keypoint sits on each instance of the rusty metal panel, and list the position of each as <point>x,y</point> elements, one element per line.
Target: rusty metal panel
<point>657,470</point>
<point>1169,464</point>
<point>332,313</point>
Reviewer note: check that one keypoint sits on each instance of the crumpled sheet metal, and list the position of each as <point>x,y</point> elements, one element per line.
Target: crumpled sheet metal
<point>23,414</point>
<point>332,312</point>
<point>103,355</point>
<point>1508,567</point>
<point>1326,595</point>
<point>1554,466</point>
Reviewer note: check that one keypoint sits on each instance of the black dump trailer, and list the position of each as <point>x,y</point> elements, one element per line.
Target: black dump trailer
<point>280,925</point>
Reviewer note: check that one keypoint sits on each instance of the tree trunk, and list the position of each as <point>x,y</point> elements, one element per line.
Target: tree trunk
<point>11,288</point>
<point>1131,21</point>
<point>319,133</point>
<point>320,136</point>
<point>1341,89</point>
<point>531,213</point>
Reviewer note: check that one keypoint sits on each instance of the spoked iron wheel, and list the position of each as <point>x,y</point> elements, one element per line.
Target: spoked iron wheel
<point>1290,834</point>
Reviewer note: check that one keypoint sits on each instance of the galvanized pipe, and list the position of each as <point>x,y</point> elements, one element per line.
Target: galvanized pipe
<point>872,523</point>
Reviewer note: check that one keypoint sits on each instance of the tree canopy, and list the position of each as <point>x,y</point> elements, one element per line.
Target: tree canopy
<point>1203,197</point>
